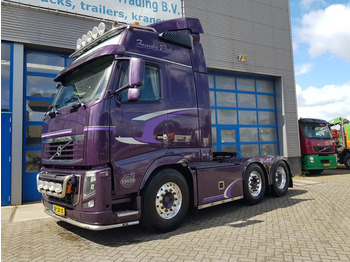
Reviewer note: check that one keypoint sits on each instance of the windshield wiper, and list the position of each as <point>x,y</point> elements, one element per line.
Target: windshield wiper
<point>53,111</point>
<point>74,97</point>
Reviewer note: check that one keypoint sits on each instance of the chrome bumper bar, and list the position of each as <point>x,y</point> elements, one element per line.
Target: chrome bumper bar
<point>89,226</point>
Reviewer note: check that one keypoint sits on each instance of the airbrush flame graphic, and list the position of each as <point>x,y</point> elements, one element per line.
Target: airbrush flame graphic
<point>152,120</point>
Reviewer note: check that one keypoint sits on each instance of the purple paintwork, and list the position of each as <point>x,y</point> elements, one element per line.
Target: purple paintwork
<point>57,133</point>
<point>124,143</point>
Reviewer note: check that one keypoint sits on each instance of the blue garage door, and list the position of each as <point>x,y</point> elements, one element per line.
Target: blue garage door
<point>6,121</point>
<point>243,114</point>
<point>41,67</point>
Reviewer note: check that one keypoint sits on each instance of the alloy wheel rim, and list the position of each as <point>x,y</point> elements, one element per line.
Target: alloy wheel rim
<point>168,200</point>
<point>281,177</point>
<point>255,183</point>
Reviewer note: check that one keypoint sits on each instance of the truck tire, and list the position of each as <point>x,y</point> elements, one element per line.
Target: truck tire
<point>315,171</point>
<point>165,201</point>
<point>254,184</point>
<point>280,179</point>
<point>347,161</point>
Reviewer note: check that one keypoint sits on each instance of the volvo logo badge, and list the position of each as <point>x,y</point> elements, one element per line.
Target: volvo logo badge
<point>128,180</point>
<point>59,151</point>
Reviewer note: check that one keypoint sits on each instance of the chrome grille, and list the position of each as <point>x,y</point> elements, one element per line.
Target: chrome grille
<point>64,149</point>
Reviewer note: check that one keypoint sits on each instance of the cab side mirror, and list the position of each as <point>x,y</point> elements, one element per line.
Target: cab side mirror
<point>136,75</point>
<point>136,72</point>
<point>136,78</point>
<point>134,94</point>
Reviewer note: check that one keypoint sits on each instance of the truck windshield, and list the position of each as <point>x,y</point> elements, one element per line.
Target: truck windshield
<point>85,84</point>
<point>316,132</point>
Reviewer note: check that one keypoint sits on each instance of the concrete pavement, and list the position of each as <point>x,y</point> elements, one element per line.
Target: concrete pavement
<point>311,223</point>
<point>22,213</point>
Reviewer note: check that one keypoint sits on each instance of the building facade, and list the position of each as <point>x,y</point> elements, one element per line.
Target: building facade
<point>247,44</point>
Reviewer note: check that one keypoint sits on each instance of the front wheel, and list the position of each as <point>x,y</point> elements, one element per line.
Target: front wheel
<point>280,180</point>
<point>165,201</point>
<point>254,184</point>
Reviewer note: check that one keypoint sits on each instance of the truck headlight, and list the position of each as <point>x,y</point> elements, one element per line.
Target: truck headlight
<point>312,159</point>
<point>89,184</point>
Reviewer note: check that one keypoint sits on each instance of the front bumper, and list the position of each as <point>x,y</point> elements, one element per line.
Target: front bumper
<point>89,226</point>
<point>319,162</point>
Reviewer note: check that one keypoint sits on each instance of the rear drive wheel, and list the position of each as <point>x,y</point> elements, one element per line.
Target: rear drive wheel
<point>315,171</point>
<point>165,201</point>
<point>280,179</point>
<point>347,161</point>
<point>254,184</point>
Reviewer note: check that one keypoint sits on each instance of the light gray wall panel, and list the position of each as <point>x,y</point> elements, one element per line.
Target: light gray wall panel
<point>281,39</point>
<point>242,30</point>
<point>280,18</point>
<point>259,29</point>
<point>282,4</point>
<point>31,26</point>
<point>263,35</point>
<point>242,9</point>
<point>262,13</point>
<point>17,125</point>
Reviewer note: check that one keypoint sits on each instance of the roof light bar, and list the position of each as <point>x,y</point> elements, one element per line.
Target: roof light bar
<point>96,32</point>
<point>99,33</point>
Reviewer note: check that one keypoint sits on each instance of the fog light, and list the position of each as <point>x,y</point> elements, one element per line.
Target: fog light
<point>52,186</point>
<point>46,185</point>
<point>40,185</point>
<point>89,204</point>
<point>58,188</point>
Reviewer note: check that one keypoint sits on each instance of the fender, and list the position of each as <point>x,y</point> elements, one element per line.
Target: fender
<point>163,161</point>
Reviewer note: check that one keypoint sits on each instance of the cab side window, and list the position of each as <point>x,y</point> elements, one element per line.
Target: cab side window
<point>150,91</point>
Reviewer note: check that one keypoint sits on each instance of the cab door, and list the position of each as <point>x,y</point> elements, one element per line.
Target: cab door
<point>137,126</point>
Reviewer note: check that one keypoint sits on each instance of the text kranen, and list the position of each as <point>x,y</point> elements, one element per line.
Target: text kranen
<point>144,18</point>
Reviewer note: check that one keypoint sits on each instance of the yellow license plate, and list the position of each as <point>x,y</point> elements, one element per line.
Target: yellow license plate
<point>59,210</point>
<point>328,164</point>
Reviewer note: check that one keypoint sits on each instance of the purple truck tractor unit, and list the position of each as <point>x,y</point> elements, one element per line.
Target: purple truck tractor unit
<point>128,137</point>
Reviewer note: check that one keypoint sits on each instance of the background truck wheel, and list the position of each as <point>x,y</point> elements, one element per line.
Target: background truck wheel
<point>165,201</point>
<point>315,172</point>
<point>280,179</point>
<point>347,161</point>
<point>254,184</point>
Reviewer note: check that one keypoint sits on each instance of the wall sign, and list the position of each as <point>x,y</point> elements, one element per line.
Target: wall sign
<point>142,11</point>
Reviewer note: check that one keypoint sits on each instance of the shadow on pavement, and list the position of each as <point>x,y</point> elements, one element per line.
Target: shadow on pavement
<point>330,172</point>
<point>234,214</point>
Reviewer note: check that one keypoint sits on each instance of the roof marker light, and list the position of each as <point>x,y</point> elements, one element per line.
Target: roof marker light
<point>78,43</point>
<point>95,32</point>
<point>115,24</point>
<point>89,37</point>
<point>101,28</point>
<point>83,40</point>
